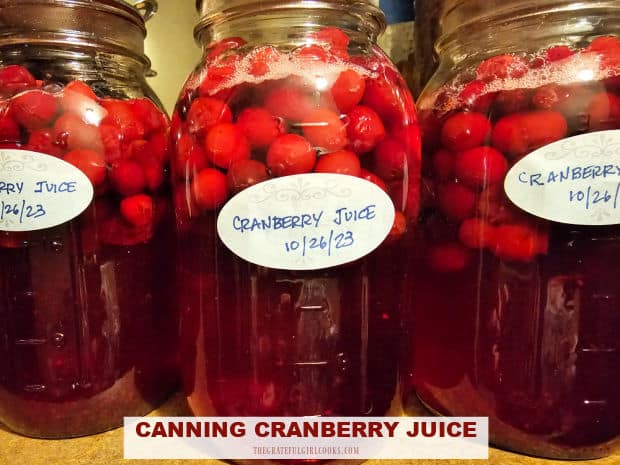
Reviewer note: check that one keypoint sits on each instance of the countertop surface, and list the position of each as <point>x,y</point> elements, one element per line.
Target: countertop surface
<point>106,449</point>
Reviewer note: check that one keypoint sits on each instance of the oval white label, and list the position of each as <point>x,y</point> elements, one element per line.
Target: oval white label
<point>574,180</point>
<point>38,191</point>
<point>307,221</point>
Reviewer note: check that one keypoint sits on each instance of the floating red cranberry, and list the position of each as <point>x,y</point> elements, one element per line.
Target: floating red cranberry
<point>325,130</point>
<point>348,90</point>
<point>205,113</point>
<point>127,177</point>
<point>456,201</point>
<point>34,109</point>
<point>604,112</point>
<point>72,133</point>
<point>91,163</point>
<point>9,130</point>
<point>290,154</point>
<point>259,126</point>
<point>443,164</point>
<point>520,133</point>
<point>289,103</point>
<point>448,258</point>
<point>43,141</point>
<point>515,242</point>
<point>190,158</point>
<point>501,67</point>
<point>121,115</point>
<point>340,162</point>
<point>245,173</point>
<point>390,159</point>
<point>364,130</point>
<point>465,130</point>
<point>480,166</point>
<point>15,78</point>
<point>226,144</point>
<point>477,233</point>
<point>209,188</point>
<point>138,210</point>
<point>373,178</point>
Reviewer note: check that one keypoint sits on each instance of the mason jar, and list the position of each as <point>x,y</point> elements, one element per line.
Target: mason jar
<point>296,180</point>
<point>87,334</point>
<point>516,313</point>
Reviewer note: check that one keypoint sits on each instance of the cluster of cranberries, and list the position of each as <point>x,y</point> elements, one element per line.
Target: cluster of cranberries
<point>231,132</point>
<point>490,124</point>
<point>120,145</point>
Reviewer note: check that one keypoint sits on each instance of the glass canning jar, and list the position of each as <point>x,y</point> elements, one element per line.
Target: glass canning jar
<point>296,169</point>
<point>86,228</point>
<point>516,271</point>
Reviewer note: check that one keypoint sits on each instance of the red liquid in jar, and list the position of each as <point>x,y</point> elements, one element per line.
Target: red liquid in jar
<point>515,317</point>
<point>260,341</point>
<point>86,327</point>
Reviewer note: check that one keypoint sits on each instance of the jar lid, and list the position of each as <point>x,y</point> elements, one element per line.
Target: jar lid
<point>110,25</point>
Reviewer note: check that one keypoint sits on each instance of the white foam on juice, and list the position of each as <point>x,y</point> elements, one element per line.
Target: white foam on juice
<point>318,74</point>
<point>580,68</point>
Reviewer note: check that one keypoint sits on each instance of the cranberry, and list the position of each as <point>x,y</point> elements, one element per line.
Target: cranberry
<point>150,116</point>
<point>116,231</point>
<point>224,45</point>
<point>333,36</point>
<point>138,210</point>
<point>557,53</point>
<point>127,177</point>
<point>390,159</point>
<point>604,43</point>
<point>245,173</point>
<point>43,141</point>
<point>209,188</point>
<point>515,242</point>
<point>79,87</point>
<point>501,67</point>
<point>14,79</point>
<point>477,233</point>
<point>465,130</point>
<point>475,96</point>
<point>218,74</point>
<point>399,227</point>
<point>71,132</point>
<point>261,59</point>
<point>512,101</point>
<point>604,112</point>
<point>456,201</point>
<point>190,158</point>
<point>91,163</point>
<point>9,130</point>
<point>325,130</point>
<point>153,174</point>
<point>226,144</point>
<point>260,127</point>
<point>520,133</point>
<point>548,97</point>
<point>340,162</point>
<point>480,166</point>
<point>312,52</point>
<point>290,154</point>
<point>348,90</point>
<point>289,103</point>
<point>448,258</point>
<point>380,95</point>
<point>365,129</point>
<point>111,138</point>
<point>158,146</point>
<point>79,99</point>
<point>34,109</point>
<point>373,178</point>
<point>443,164</point>
<point>205,113</point>
<point>121,115</point>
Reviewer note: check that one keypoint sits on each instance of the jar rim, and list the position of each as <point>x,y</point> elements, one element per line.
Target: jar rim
<point>112,25</point>
<point>218,11</point>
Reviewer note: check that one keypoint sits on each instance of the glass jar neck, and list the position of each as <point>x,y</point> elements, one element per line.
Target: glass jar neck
<point>107,26</point>
<point>476,29</point>
<point>290,23</point>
